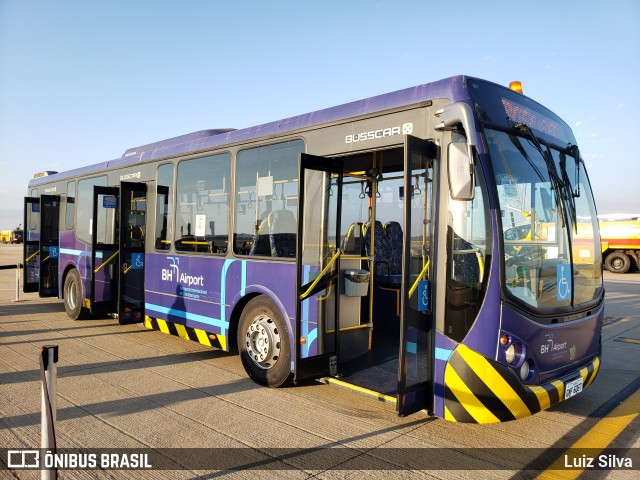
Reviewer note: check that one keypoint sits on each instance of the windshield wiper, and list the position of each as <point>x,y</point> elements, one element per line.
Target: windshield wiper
<point>574,151</point>
<point>560,185</point>
<point>569,196</point>
<point>516,142</point>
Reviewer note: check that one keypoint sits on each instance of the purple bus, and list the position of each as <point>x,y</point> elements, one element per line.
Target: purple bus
<point>436,247</point>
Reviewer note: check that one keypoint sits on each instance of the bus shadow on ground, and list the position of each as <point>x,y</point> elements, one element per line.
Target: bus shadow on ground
<point>9,334</point>
<point>132,405</point>
<point>26,308</point>
<point>117,365</point>
<point>36,331</point>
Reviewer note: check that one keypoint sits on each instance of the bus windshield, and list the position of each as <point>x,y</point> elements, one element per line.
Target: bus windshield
<point>551,257</point>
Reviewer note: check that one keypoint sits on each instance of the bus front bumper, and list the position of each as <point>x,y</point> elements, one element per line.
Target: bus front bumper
<point>480,390</point>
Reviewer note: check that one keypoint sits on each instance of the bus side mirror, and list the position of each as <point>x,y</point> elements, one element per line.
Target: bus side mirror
<point>461,155</point>
<point>460,169</point>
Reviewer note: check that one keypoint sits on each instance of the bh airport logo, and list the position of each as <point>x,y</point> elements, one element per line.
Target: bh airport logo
<point>173,272</point>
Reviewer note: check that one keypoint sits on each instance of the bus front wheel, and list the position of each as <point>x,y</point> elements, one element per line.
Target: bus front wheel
<point>73,296</point>
<point>263,343</point>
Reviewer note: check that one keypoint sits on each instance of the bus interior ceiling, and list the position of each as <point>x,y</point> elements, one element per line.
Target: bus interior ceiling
<point>372,189</point>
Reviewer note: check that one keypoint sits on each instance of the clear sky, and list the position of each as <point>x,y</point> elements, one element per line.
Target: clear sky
<point>83,80</point>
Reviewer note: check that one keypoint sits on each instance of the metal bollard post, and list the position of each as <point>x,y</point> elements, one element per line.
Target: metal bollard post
<point>17,282</point>
<point>48,373</point>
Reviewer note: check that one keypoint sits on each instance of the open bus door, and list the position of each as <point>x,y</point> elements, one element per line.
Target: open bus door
<point>105,249</point>
<point>41,245</point>
<point>133,209</point>
<point>49,245</point>
<point>415,369</point>
<point>31,245</point>
<point>318,267</point>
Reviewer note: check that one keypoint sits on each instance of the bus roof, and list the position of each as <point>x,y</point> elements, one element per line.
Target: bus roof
<point>169,142</point>
<point>452,88</point>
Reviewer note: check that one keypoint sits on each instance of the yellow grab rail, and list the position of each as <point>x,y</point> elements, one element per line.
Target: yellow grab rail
<point>480,264</point>
<point>322,273</point>
<point>31,256</point>
<point>104,264</point>
<point>415,284</point>
<point>479,256</point>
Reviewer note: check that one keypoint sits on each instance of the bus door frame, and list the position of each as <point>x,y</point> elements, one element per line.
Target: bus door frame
<point>49,247</point>
<point>330,284</point>
<point>109,305</point>
<point>31,239</point>
<point>417,323</point>
<point>131,257</point>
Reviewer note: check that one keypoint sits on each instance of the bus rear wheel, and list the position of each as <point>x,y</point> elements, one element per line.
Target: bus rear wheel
<point>618,262</point>
<point>73,296</point>
<point>263,343</point>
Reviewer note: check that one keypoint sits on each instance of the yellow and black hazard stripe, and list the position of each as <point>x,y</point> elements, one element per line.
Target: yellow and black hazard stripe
<point>188,333</point>
<point>480,390</point>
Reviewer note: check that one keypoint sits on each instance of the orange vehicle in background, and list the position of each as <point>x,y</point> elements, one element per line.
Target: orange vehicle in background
<point>620,240</point>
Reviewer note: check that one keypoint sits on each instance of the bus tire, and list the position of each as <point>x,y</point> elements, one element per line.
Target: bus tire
<point>263,343</point>
<point>617,262</point>
<point>73,296</point>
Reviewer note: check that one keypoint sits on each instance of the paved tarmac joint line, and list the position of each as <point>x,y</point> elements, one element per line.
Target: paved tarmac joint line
<point>599,437</point>
<point>628,340</point>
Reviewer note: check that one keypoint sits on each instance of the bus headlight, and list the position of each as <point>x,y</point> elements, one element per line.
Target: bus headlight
<point>524,370</point>
<point>510,354</point>
<point>515,354</point>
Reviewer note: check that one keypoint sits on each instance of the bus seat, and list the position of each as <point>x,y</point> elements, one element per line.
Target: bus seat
<point>282,233</point>
<point>352,241</point>
<point>467,263</point>
<point>135,235</point>
<point>382,254</point>
<point>393,230</point>
<point>260,243</point>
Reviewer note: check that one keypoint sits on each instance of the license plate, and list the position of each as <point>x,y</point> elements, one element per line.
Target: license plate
<point>572,388</point>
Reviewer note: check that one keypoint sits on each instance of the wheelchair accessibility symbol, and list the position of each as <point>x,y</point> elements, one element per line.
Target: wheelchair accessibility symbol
<point>423,295</point>
<point>137,261</point>
<point>563,278</point>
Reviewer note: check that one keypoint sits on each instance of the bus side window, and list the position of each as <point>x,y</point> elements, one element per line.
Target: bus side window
<point>266,203</point>
<point>84,211</point>
<point>468,250</point>
<point>71,205</point>
<point>164,206</point>
<point>282,233</point>
<point>202,204</point>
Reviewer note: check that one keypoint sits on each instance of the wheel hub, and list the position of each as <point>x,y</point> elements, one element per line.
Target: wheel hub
<point>263,341</point>
<point>71,294</point>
